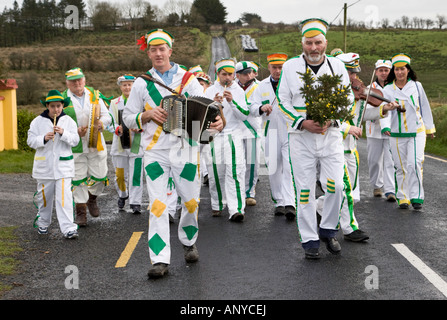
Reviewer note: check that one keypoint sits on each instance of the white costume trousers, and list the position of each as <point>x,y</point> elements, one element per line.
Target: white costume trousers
<point>182,166</point>
<point>306,149</point>
<point>253,156</point>
<point>408,156</point>
<point>226,173</point>
<point>129,177</point>
<point>352,165</point>
<point>278,164</point>
<point>381,165</point>
<point>90,174</point>
<point>58,191</point>
<point>348,222</point>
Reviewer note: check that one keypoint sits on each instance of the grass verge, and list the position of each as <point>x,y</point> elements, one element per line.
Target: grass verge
<point>8,250</point>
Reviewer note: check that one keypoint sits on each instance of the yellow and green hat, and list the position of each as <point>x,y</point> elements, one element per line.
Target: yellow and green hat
<point>277,58</point>
<point>313,27</point>
<point>73,74</point>
<point>400,59</point>
<point>195,69</point>
<point>335,52</point>
<point>52,96</point>
<point>227,64</point>
<point>156,37</point>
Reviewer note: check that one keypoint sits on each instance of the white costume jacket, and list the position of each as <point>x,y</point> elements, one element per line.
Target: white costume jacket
<point>82,116</point>
<point>418,116</point>
<point>145,95</point>
<point>53,160</point>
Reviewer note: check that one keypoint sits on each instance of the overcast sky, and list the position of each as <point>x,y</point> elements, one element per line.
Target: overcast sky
<point>290,11</point>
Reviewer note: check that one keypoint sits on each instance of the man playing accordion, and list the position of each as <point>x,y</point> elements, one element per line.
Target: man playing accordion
<point>165,154</point>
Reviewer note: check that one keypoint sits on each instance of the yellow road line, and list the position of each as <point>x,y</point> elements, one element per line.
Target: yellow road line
<point>128,250</point>
<point>439,159</point>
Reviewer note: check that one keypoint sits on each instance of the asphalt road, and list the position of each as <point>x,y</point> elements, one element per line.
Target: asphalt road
<point>260,258</point>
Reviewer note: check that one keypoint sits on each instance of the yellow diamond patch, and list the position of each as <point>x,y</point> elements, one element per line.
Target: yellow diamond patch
<point>157,208</point>
<point>191,205</point>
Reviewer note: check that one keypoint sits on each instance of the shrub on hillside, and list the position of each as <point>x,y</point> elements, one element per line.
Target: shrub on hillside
<point>24,118</point>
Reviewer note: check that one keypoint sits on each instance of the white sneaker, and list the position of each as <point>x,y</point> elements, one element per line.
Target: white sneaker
<point>42,230</point>
<point>71,234</point>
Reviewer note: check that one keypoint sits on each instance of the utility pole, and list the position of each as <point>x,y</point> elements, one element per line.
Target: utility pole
<point>345,9</point>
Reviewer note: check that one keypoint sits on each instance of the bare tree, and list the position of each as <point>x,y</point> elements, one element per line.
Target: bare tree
<point>441,20</point>
<point>429,23</point>
<point>405,22</point>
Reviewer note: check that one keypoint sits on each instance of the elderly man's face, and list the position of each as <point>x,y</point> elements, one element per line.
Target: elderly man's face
<point>76,86</point>
<point>315,48</point>
<point>275,71</point>
<point>245,77</point>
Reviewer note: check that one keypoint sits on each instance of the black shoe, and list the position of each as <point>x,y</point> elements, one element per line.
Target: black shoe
<point>404,206</point>
<point>158,270</point>
<point>136,208</point>
<point>417,206</point>
<point>332,245</point>
<point>312,253</point>
<point>290,213</point>
<point>237,217</point>
<point>191,253</point>
<point>357,236</point>
<point>121,202</point>
<point>280,211</point>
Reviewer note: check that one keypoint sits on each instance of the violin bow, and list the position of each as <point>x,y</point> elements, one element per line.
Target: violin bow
<point>367,96</point>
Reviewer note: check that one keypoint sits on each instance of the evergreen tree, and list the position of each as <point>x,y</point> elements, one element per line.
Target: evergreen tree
<point>212,11</point>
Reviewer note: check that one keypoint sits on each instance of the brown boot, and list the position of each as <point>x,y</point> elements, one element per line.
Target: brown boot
<point>92,205</point>
<point>81,214</point>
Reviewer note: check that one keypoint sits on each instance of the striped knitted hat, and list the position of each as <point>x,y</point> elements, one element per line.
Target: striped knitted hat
<point>313,27</point>
<point>155,37</point>
<point>277,58</point>
<point>227,64</point>
<point>400,59</point>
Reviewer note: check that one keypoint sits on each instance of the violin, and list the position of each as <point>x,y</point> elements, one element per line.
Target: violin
<point>375,97</point>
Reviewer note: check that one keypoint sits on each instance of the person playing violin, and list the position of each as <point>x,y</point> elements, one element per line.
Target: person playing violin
<point>408,131</point>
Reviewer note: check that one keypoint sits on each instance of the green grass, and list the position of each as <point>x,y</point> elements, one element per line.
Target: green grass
<point>16,161</point>
<point>8,250</point>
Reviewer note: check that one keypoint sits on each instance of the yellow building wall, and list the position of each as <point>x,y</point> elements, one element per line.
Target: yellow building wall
<point>8,115</point>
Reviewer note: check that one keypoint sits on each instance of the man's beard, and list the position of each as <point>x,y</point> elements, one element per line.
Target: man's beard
<point>314,58</point>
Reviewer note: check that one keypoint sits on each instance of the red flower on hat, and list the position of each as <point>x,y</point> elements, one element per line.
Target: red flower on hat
<point>142,42</point>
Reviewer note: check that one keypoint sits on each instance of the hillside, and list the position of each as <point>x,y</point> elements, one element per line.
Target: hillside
<point>102,56</point>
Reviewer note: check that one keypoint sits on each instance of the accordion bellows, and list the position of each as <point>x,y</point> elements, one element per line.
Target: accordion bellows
<point>191,117</point>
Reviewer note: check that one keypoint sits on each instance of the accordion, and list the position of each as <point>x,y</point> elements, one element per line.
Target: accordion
<point>191,117</point>
<point>125,137</point>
